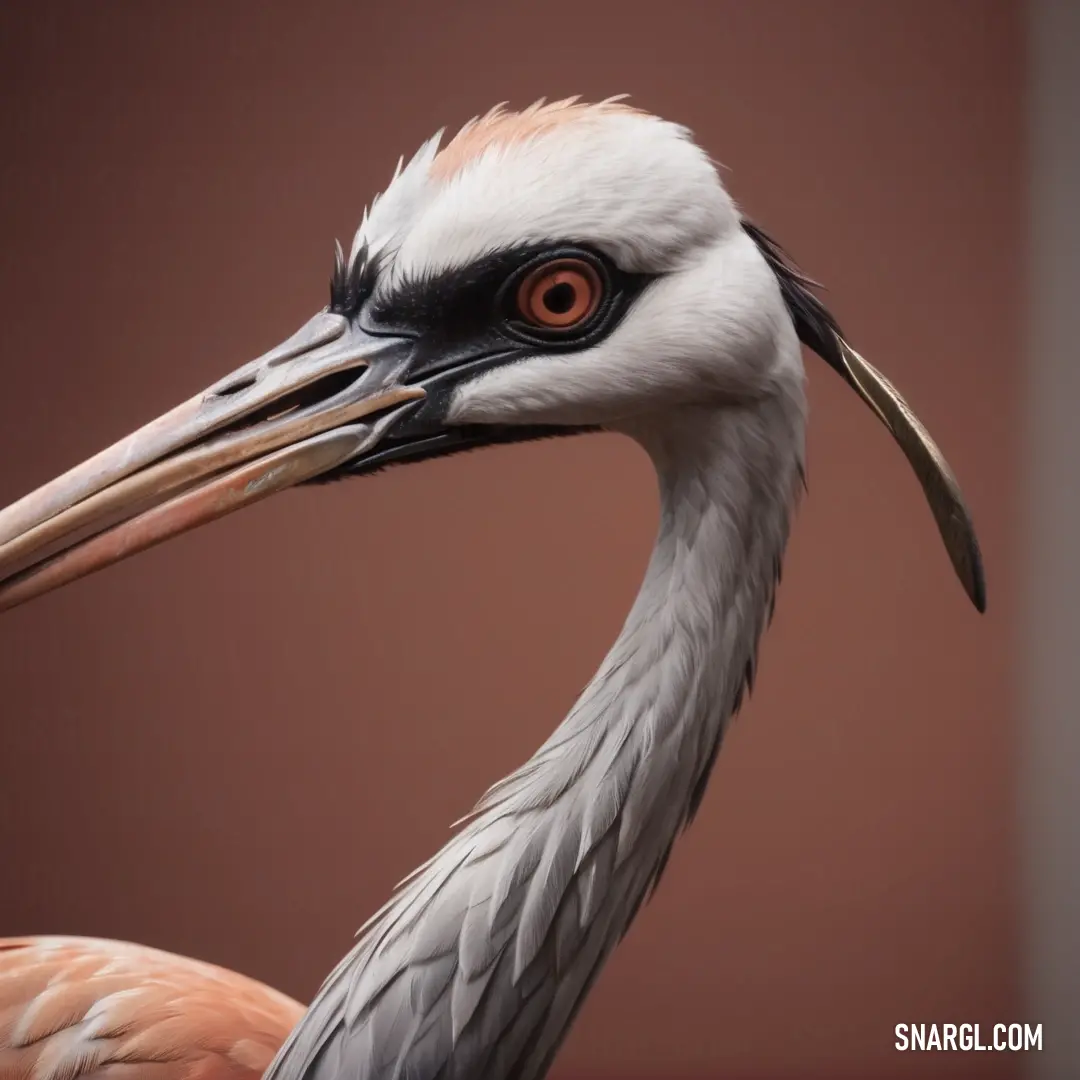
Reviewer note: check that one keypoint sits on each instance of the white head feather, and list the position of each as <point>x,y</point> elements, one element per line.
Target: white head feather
<point>639,190</point>
<point>477,966</point>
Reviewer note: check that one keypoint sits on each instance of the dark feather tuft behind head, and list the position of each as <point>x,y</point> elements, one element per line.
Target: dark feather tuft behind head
<point>816,327</point>
<point>818,330</point>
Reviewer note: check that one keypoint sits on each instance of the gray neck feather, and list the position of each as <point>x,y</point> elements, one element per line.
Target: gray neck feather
<point>477,966</point>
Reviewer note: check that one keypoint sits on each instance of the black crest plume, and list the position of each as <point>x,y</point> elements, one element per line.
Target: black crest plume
<point>818,330</point>
<point>815,325</point>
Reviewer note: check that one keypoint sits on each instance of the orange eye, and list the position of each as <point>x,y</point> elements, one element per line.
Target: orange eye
<point>560,294</point>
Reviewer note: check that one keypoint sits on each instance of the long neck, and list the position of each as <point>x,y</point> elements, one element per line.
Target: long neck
<point>640,742</point>
<point>495,941</point>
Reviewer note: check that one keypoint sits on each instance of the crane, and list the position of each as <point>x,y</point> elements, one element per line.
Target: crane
<point>563,269</point>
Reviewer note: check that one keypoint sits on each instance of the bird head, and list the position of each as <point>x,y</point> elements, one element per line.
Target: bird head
<point>557,270</point>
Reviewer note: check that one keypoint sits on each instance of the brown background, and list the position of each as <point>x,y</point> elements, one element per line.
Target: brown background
<point>235,745</point>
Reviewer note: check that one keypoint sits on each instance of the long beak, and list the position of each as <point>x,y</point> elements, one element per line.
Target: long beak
<point>321,398</point>
<point>938,482</point>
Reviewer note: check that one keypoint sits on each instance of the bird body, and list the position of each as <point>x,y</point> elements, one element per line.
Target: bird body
<point>83,1008</point>
<point>564,269</point>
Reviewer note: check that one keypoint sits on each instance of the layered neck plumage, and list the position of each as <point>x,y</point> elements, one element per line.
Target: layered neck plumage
<point>479,963</point>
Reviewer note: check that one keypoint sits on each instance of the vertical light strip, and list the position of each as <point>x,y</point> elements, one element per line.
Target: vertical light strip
<point>1049,720</point>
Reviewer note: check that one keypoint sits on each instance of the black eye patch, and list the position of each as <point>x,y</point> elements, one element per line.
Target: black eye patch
<point>476,303</point>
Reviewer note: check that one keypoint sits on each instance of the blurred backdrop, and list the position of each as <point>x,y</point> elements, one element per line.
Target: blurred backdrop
<point>235,745</point>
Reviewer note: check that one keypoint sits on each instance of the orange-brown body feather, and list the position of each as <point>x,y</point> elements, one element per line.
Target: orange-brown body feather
<point>80,1008</point>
